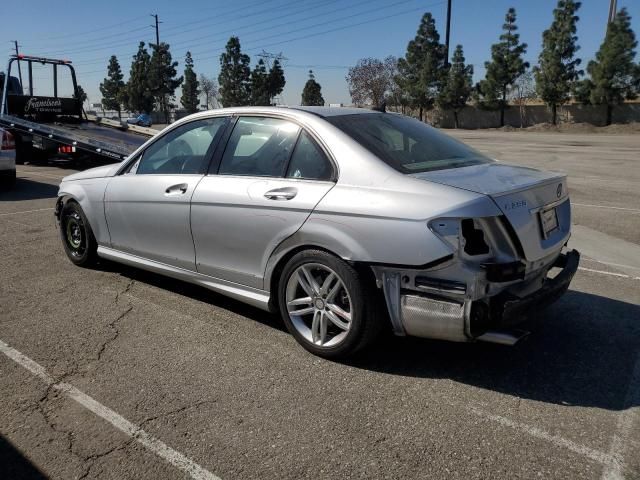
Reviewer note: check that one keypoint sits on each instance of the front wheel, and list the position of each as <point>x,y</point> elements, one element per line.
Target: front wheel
<point>77,237</point>
<point>327,305</point>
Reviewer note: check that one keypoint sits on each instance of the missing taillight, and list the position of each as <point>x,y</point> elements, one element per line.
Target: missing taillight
<point>474,238</point>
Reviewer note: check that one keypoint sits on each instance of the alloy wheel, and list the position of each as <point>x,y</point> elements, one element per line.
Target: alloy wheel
<point>319,304</point>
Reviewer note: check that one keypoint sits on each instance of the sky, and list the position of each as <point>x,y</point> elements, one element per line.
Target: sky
<point>327,36</point>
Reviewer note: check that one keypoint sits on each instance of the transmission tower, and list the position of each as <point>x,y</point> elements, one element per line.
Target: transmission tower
<point>268,58</point>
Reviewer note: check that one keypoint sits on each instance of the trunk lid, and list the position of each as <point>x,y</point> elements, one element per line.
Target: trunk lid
<point>524,195</point>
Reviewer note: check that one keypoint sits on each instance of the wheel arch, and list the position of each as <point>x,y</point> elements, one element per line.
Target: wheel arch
<point>91,201</point>
<point>281,256</point>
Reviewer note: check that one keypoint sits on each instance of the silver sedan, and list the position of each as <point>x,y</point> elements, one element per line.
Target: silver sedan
<point>343,220</point>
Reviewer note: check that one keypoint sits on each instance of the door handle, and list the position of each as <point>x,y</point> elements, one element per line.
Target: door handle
<point>286,193</point>
<point>179,189</point>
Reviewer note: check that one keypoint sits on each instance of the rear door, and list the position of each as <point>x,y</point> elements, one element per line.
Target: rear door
<point>147,206</point>
<point>271,176</point>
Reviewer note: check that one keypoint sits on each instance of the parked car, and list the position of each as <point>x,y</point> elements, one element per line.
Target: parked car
<point>7,158</point>
<point>343,220</point>
<point>142,120</point>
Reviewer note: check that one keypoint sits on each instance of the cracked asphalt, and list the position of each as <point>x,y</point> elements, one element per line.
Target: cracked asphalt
<point>224,385</point>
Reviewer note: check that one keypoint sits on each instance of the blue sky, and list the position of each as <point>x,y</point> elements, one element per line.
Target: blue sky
<point>325,35</point>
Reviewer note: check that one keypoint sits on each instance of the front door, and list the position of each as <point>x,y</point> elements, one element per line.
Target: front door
<point>271,177</point>
<point>147,206</point>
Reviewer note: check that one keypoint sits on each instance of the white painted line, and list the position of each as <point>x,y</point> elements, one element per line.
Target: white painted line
<point>26,211</point>
<point>606,206</point>
<point>158,447</point>
<point>613,274</point>
<point>28,173</point>
<point>613,264</point>
<point>626,420</point>
<point>590,453</point>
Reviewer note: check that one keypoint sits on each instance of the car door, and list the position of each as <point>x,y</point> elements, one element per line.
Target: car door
<point>271,176</point>
<point>147,205</point>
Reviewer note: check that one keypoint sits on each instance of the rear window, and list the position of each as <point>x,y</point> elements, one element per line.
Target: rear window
<point>406,144</point>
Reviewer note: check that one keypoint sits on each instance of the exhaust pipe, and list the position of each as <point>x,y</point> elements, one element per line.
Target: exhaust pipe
<point>503,337</point>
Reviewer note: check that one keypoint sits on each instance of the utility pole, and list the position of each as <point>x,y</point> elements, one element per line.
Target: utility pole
<point>156,26</point>
<point>15,43</point>
<point>446,43</point>
<point>613,7</point>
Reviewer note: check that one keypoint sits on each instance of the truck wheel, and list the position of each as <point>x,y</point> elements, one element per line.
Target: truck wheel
<point>79,243</point>
<point>328,306</point>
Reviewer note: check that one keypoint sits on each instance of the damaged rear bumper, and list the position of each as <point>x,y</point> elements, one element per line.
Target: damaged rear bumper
<point>439,314</point>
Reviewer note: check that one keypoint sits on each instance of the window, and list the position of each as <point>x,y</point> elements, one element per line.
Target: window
<point>309,161</point>
<point>406,144</point>
<point>181,151</point>
<point>259,147</point>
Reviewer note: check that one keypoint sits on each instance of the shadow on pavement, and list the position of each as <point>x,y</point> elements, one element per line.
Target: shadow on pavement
<point>14,465</point>
<point>26,189</point>
<point>194,292</point>
<point>582,350</point>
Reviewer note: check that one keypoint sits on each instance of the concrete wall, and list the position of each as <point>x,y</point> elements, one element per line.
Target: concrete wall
<point>472,117</point>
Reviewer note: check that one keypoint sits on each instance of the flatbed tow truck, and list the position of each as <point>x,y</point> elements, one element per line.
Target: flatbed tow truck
<point>53,126</point>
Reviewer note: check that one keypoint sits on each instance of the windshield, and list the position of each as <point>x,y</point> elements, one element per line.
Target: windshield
<point>406,144</point>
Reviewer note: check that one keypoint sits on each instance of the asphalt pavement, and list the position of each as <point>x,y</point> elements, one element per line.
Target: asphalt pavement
<point>117,373</point>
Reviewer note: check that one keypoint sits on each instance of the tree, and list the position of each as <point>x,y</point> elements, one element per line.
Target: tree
<point>312,92</point>
<point>209,89</point>
<point>234,78</point>
<point>458,85</point>
<point>112,87</point>
<point>614,76</point>
<point>368,82</point>
<point>522,92</point>
<point>557,70</point>
<point>190,92</point>
<point>276,81</point>
<point>139,96</point>
<point>162,77</point>
<point>423,69</point>
<point>80,94</point>
<point>260,85</point>
<point>505,67</point>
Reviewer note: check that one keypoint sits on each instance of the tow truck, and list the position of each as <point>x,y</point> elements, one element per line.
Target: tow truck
<point>44,127</point>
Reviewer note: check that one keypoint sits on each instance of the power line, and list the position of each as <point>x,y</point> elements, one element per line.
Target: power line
<point>315,34</point>
<point>220,35</point>
<point>93,30</point>
<point>91,48</point>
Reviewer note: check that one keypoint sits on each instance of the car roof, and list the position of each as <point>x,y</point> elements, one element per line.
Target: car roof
<point>334,111</point>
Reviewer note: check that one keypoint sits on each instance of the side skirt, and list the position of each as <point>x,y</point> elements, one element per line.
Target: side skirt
<point>252,296</point>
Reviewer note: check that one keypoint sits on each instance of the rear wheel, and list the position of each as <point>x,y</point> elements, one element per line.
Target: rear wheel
<point>327,305</point>
<point>77,237</point>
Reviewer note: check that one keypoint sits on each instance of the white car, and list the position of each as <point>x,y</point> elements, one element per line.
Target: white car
<point>7,158</point>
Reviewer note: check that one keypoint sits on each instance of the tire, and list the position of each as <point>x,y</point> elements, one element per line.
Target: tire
<point>77,237</point>
<point>340,317</point>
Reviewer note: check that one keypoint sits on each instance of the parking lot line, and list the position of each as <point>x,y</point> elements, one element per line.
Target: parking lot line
<point>26,211</point>
<point>613,274</point>
<point>636,210</point>
<point>139,435</point>
<point>626,420</point>
<point>27,173</point>
<point>595,455</point>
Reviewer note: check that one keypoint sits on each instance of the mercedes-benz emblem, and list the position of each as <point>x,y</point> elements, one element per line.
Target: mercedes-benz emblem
<point>559,190</point>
